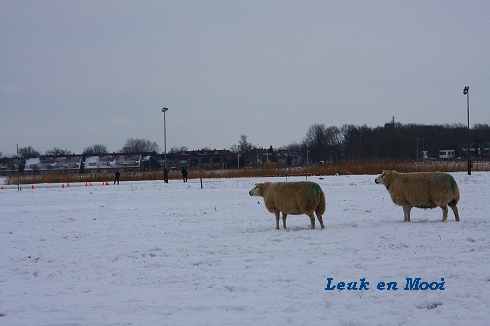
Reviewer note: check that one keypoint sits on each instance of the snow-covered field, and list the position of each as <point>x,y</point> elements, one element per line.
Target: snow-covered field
<point>146,253</point>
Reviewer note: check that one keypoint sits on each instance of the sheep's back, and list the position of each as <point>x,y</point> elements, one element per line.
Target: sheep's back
<point>423,190</point>
<point>294,197</point>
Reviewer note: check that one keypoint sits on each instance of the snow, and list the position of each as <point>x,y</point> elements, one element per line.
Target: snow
<point>147,253</point>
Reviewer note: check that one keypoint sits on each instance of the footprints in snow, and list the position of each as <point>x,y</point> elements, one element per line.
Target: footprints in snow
<point>135,255</point>
<point>429,305</point>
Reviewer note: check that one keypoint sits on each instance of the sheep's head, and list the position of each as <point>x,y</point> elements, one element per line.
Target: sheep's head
<point>258,190</point>
<point>384,178</point>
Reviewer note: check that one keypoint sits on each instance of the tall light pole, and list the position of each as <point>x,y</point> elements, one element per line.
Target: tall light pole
<point>164,110</point>
<point>307,156</point>
<point>466,91</point>
<point>18,169</point>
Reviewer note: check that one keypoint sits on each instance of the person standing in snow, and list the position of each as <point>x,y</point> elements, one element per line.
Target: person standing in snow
<point>117,177</point>
<point>184,174</point>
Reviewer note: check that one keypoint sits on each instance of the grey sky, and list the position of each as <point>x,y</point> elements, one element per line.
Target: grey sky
<point>74,73</point>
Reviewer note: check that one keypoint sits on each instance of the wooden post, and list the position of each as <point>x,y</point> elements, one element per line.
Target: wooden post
<point>18,170</point>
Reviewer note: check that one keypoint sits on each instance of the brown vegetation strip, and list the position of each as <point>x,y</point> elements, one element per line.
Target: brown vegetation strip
<point>348,167</point>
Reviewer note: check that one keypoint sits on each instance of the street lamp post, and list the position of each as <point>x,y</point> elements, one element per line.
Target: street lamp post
<point>164,110</point>
<point>417,150</point>
<point>307,156</point>
<point>466,91</point>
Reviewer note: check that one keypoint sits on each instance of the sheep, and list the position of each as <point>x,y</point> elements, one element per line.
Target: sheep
<point>292,198</point>
<point>422,190</point>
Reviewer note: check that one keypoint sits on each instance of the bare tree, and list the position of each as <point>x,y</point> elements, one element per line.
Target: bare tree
<point>235,148</point>
<point>323,142</point>
<point>315,136</point>
<point>333,136</point>
<point>244,151</point>
<point>56,151</point>
<point>178,149</point>
<point>243,144</point>
<point>28,152</point>
<point>97,149</point>
<point>139,145</point>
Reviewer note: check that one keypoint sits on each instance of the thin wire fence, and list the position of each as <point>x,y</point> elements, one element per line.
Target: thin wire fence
<point>105,178</point>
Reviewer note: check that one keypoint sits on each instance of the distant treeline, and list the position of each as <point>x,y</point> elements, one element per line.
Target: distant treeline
<point>392,141</point>
<point>321,144</point>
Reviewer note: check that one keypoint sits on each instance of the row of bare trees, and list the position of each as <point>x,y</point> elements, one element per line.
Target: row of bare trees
<point>132,145</point>
<point>391,141</point>
<point>327,143</point>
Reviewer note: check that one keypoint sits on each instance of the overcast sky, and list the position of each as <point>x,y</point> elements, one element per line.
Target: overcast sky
<point>75,73</point>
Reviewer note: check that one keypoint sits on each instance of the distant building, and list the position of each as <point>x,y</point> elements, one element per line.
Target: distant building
<point>8,165</point>
<point>33,164</point>
<point>92,162</point>
<point>113,161</point>
<point>50,163</point>
<point>127,161</point>
<point>205,159</point>
<point>447,154</point>
<point>485,151</point>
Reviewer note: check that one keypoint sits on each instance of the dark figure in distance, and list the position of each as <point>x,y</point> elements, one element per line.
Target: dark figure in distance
<point>165,175</point>
<point>117,177</point>
<point>184,174</point>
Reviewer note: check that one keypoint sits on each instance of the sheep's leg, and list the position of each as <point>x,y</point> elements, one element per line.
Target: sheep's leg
<point>444,213</point>
<point>320,220</point>
<point>455,211</point>
<point>284,215</point>
<point>277,220</point>
<point>406,213</point>
<point>312,220</point>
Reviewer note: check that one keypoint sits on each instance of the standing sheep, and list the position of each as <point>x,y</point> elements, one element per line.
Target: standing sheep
<point>422,190</point>
<point>292,198</point>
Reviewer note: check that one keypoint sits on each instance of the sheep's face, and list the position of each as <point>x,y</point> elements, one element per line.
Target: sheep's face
<point>258,190</point>
<point>382,178</point>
